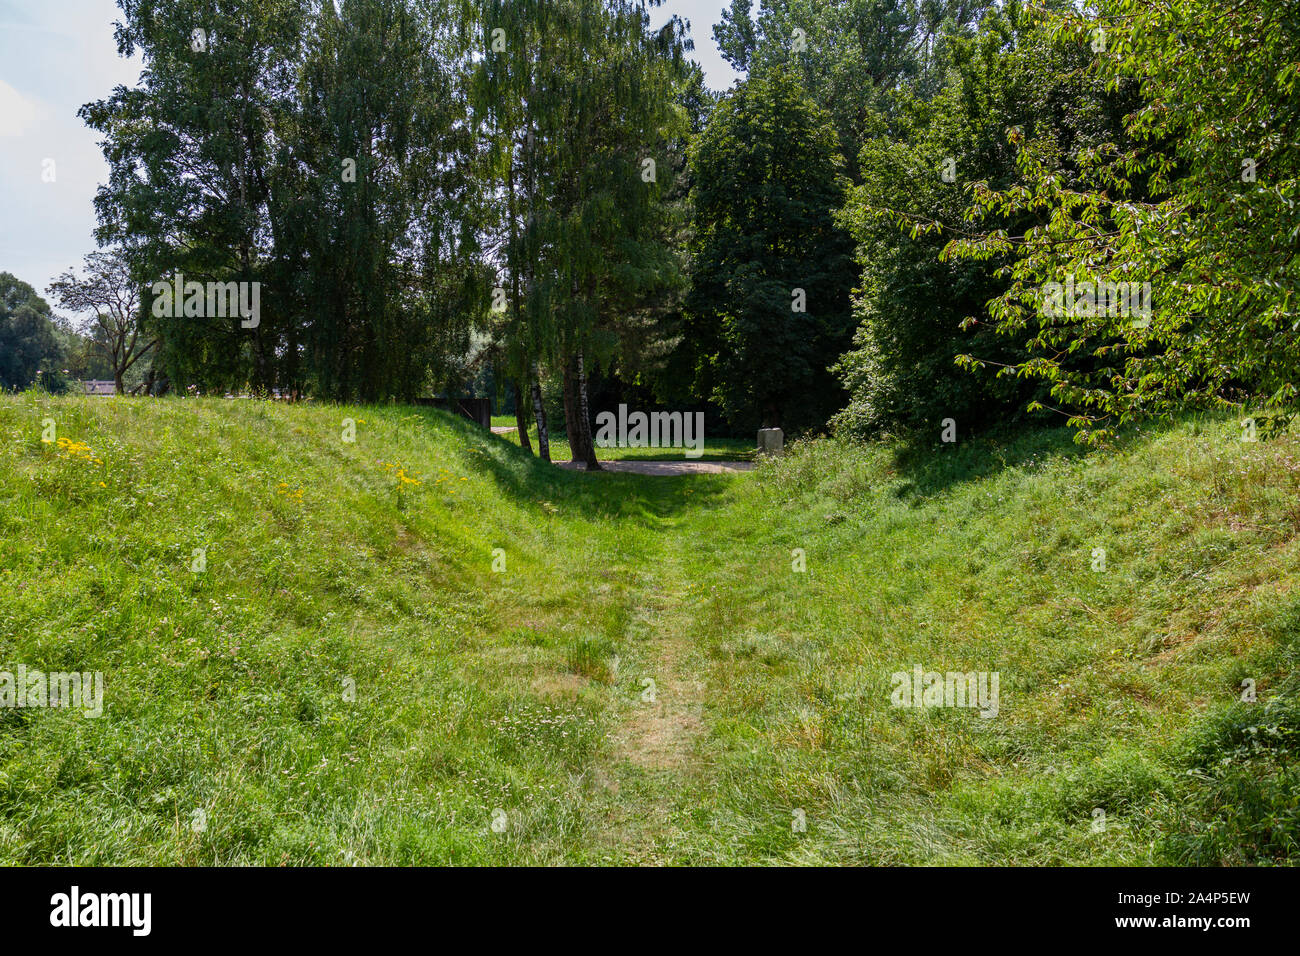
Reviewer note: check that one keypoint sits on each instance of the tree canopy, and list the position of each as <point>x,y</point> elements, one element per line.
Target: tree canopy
<point>905,211</point>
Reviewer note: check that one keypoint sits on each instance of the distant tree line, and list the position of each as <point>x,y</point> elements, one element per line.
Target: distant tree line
<point>416,186</point>
<point>40,349</point>
<point>863,234</point>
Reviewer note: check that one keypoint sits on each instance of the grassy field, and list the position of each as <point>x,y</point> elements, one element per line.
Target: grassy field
<point>343,678</point>
<point>716,449</point>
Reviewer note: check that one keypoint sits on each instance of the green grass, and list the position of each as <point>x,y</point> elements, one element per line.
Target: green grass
<point>526,691</point>
<point>715,449</point>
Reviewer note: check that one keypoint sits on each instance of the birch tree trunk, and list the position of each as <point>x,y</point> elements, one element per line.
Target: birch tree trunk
<point>584,418</point>
<point>539,413</point>
<point>566,393</point>
<point>521,419</point>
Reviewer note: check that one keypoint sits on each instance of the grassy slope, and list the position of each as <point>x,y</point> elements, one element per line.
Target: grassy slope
<point>1119,690</point>
<point>524,690</point>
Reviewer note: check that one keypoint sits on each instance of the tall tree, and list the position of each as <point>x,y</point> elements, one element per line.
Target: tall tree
<point>386,273</point>
<point>769,309</point>
<point>919,310</point>
<point>576,97</point>
<point>315,148</point>
<point>1200,202</point>
<point>191,154</point>
<point>852,56</point>
<point>507,96</point>
<point>611,167</point>
<point>29,344</point>
<point>109,292</point>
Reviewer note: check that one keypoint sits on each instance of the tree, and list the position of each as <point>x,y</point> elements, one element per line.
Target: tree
<point>574,97</point>
<point>508,97</point>
<point>87,356</point>
<point>191,153</point>
<point>317,150</point>
<point>919,310</point>
<point>1200,204</point>
<point>610,146</point>
<point>377,209</point>
<point>851,56</point>
<point>29,343</point>
<point>651,360</point>
<point>769,307</point>
<point>108,291</point>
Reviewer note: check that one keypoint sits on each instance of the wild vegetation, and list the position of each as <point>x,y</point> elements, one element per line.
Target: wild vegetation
<point>1017,280</point>
<point>524,690</point>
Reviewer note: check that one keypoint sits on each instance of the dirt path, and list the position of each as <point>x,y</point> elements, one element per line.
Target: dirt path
<point>635,467</point>
<point>661,730</point>
<point>655,749</point>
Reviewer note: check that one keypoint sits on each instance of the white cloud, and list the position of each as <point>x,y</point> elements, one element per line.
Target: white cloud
<point>54,57</point>
<point>17,112</point>
<point>701,14</point>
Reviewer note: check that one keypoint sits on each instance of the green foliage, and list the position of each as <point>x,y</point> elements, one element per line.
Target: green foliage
<point>918,310</point>
<point>375,164</point>
<point>851,57</point>
<point>767,181</point>
<point>380,211</point>
<point>1245,810</point>
<point>1198,200</point>
<point>88,355</point>
<point>578,103</point>
<point>29,341</point>
<point>192,153</point>
<point>317,153</point>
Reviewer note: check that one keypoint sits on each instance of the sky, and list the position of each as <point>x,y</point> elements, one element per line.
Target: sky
<point>55,56</point>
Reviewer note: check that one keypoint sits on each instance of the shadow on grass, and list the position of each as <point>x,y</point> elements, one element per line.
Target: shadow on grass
<point>540,486</point>
<point>714,449</point>
<point>928,467</point>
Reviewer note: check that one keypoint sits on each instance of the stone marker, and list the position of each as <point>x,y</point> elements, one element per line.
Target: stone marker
<point>771,441</point>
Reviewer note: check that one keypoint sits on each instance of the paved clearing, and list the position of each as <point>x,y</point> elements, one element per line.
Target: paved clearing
<point>667,467</point>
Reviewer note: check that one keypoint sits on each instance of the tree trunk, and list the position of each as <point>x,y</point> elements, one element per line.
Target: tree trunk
<point>570,414</point>
<point>539,412</point>
<point>512,260</point>
<point>584,418</point>
<point>521,419</point>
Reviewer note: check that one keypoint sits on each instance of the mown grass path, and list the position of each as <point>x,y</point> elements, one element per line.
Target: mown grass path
<point>656,749</point>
